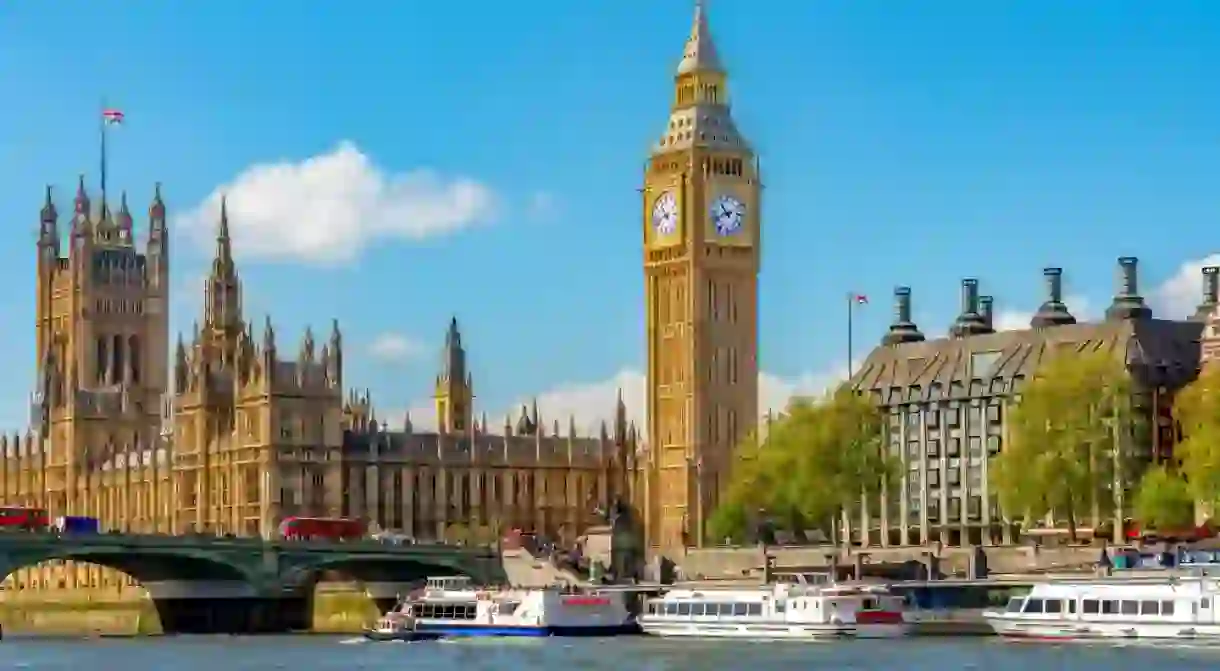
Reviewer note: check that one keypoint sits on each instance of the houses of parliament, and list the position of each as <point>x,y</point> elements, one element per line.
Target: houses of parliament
<point>233,429</point>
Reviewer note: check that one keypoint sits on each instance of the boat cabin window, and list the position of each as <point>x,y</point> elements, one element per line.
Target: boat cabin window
<point>1015,603</point>
<point>1166,608</point>
<point>1109,607</point>
<point>445,611</point>
<point>1090,606</point>
<point>1071,607</point>
<point>1129,607</point>
<point>1203,603</point>
<point>869,604</point>
<point>450,583</point>
<point>1150,608</point>
<point>1033,606</point>
<point>1054,606</point>
<point>705,609</point>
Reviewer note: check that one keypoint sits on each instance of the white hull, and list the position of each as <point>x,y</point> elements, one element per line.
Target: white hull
<point>1067,630</point>
<point>772,631</point>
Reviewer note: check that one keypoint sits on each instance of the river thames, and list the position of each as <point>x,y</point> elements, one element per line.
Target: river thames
<point>303,653</point>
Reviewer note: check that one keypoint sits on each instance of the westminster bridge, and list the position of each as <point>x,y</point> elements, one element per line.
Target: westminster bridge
<point>210,584</point>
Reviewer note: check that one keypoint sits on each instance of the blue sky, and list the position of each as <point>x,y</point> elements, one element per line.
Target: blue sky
<point>399,163</point>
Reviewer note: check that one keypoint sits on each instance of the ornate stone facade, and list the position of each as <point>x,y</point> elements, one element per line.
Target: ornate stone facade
<point>249,436</point>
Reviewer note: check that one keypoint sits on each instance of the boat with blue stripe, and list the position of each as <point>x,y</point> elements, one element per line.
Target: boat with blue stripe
<point>453,606</point>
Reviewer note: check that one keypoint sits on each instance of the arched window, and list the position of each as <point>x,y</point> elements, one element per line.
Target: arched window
<point>133,354</point>
<point>116,372</point>
<point>102,362</point>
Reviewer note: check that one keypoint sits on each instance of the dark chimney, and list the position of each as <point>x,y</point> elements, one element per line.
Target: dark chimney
<point>1052,312</point>
<point>969,322</point>
<point>1054,284</point>
<point>1128,276</point>
<point>903,329</point>
<point>1128,304</point>
<point>1211,293</point>
<point>987,312</point>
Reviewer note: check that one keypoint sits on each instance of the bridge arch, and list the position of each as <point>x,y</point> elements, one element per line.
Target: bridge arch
<point>190,591</point>
<point>146,566</point>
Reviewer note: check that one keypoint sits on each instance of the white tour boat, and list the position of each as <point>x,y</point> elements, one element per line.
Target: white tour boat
<point>454,606</point>
<point>1179,608</point>
<point>797,606</point>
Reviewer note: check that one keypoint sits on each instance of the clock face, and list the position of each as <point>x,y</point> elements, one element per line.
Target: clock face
<point>728,214</point>
<point>665,214</point>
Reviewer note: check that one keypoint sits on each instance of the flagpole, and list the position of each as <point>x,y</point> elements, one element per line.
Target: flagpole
<point>101,117</point>
<point>851,308</point>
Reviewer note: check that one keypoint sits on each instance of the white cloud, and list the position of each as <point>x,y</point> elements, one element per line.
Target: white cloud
<point>329,207</point>
<point>1179,295</point>
<point>1018,320</point>
<point>395,348</point>
<point>593,402</point>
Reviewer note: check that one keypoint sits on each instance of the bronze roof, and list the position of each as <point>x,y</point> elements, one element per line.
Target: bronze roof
<point>1160,352</point>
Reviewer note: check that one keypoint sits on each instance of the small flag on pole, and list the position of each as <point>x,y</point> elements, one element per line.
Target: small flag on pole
<point>861,299</point>
<point>112,117</point>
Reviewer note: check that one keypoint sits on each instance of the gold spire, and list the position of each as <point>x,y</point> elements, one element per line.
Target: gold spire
<point>700,52</point>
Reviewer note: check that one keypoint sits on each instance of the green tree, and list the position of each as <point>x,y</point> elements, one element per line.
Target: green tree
<point>1197,410</point>
<point>1163,500</point>
<point>1067,439</point>
<point>732,521</point>
<point>816,462</point>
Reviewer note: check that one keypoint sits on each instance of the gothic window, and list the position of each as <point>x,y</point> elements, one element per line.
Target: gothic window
<point>133,353</point>
<point>103,358</point>
<point>116,370</point>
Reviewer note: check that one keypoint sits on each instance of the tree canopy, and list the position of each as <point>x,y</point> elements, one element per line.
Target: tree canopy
<point>1197,410</point>
<point>1163,500</point>
<point>814,461</point>
<point>1067,431</point>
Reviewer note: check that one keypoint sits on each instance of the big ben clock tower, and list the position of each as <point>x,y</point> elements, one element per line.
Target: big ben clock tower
<point>701,215</point>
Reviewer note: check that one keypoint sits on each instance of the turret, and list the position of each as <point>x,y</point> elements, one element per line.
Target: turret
<point>123,222</point>
<point>158,241</point>
<point>334,364</point>
<point>48,231</point>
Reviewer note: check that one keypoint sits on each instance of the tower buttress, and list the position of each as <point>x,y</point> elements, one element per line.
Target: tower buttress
<point>454,385</point>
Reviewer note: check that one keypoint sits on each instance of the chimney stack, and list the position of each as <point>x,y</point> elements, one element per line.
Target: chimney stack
<point>1052,312</point>
<point>1128,276</point>
<point>969,322</point>
<point>987,312</point>
<point>1054,284</point>
<point>1128,304</point>
<point>903,330</point>
<point>1211,293</point>
<point>902,305</point>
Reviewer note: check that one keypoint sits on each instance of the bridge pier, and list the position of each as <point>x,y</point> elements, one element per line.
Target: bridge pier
<point>233,616</point>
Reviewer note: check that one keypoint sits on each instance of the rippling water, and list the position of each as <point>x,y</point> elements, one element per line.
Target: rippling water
<point>628,654</point>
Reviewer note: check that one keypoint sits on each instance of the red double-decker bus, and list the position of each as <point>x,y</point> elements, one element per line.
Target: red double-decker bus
<point>20,518</point>
<point>322,528</point>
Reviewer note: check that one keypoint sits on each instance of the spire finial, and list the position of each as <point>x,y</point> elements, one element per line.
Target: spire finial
<point>82,197</point>
<point>700,53</point>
